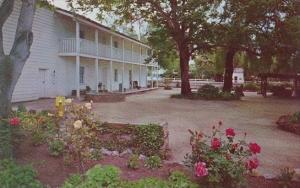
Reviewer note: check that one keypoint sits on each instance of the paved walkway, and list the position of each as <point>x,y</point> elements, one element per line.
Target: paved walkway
<point>254,114</point>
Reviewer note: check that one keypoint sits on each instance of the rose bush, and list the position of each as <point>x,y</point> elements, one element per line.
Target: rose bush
<point>222,161</point>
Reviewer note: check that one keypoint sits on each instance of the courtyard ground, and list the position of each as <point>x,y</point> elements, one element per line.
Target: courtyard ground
<point>253,114</point>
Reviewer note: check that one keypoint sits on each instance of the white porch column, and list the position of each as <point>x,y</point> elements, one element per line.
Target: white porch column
<point>96,60</point>
<point>152,76</point>
<point>132,76</point>
<point>110,64</point>
<point>123,63</point>
<point>140,61</point>
<point>132,52</point>
<point>157,75</point>
<point>77,69</point>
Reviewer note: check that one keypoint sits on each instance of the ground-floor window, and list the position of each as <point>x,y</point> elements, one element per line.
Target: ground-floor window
<point>116,75</point>
<point>81,75</point>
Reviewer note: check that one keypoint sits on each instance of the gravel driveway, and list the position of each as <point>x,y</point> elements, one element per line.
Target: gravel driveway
<point>254,114</point>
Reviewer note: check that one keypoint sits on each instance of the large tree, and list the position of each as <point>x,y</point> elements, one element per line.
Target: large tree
<point>185,22</point>
<point>11,64</point>
<point>255,27</point>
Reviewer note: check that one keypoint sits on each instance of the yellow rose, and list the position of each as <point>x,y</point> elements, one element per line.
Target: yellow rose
<point>77,124</point>
<point>88,106</point>
<point>68,101</point>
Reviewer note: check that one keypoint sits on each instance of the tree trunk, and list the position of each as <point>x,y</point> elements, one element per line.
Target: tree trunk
<point>11,65</point>
<point>228,70</point>
<point>5,85</point>
<point>184,68</point>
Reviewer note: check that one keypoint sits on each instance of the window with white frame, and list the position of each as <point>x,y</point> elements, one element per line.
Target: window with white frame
<point>116,75</point>
<point>81,75</point>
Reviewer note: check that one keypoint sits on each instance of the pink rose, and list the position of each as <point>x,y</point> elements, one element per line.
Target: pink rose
<point>200,169</point>
<point>230,132</point>
<point>254,148</point>
<point>252,164</point>
<point>215,143</point>
<point>15,121</point>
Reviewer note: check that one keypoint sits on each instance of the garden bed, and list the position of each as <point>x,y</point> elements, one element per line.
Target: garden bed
<point>52,171</point>
<point>290,123</point>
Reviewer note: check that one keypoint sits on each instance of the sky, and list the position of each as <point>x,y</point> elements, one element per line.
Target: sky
<point>92,15</point>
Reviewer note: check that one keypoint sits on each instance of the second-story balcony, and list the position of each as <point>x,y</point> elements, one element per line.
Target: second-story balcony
<point>89,48</point>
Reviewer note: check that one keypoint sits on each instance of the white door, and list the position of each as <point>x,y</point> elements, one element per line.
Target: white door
<point>43,83</point>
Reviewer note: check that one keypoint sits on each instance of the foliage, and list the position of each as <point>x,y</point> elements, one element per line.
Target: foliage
<point>153,162</point>
<point>149,139</point>
<point>13,175</point>
<point>98,176</point>
<point>226,160</point>
<point>108,176</point>
<point>81,129</point>
<point>5,140</point>
<point>133,162</point>
<point>295,118</point>
<point>251,86</point>
<point>282,90</point>
<point>56,147</point>
<point>40,125</point>
<point>286,176</point>
<point>210,92</point>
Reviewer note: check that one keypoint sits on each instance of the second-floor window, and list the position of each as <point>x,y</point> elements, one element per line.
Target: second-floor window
<point>81,34</point>
<point>116,44</point>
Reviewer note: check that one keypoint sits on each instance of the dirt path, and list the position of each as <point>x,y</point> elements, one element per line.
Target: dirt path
<point>254,115</point>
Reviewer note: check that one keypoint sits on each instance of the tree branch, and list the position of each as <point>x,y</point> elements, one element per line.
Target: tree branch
<point>6,9</point>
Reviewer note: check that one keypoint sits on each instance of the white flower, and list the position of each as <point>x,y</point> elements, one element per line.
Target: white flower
<point>88,106</point>
<point>77,124</point>
<point>91,101</point>
<point>50,115</point>
<point>68,101</point>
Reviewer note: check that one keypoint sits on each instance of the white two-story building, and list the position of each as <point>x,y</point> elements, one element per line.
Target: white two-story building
<point>71,52</point>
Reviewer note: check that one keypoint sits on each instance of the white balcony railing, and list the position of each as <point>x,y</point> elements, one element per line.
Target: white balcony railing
<point>104,50</point>
<point>87,47</point>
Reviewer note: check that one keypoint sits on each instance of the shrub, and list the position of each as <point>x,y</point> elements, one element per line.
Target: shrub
<point>133,162</point>
<point>286,177</point>
<point>251,86</point>
<point>179,180</point>
<point>21,108</point>
<point>109,176</point>
<point>219,161</point>
<point>295,118</point>
<point>208,91</point>
<point>13,175</point>
<point>81,133</point>
<point>149,139</point>
<point>5,140</point>
<point>98,176</point>
<point>153,162</point>
<point>56,147</point>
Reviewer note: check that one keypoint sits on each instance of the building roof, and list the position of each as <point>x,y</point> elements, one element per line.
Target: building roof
<point>72,14</point>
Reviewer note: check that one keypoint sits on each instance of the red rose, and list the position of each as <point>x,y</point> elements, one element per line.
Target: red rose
<point>230,132</point>
<point>14,121</point>
<point>215,143</point>
<point>252,164</point>
<point>254,148</point>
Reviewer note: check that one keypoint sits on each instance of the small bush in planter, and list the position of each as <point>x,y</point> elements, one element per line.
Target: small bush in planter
<point>208,91</point>
<point>221,161</point>
<point>133,162</point>
<point>153,162</point>
<point>56,147</point>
